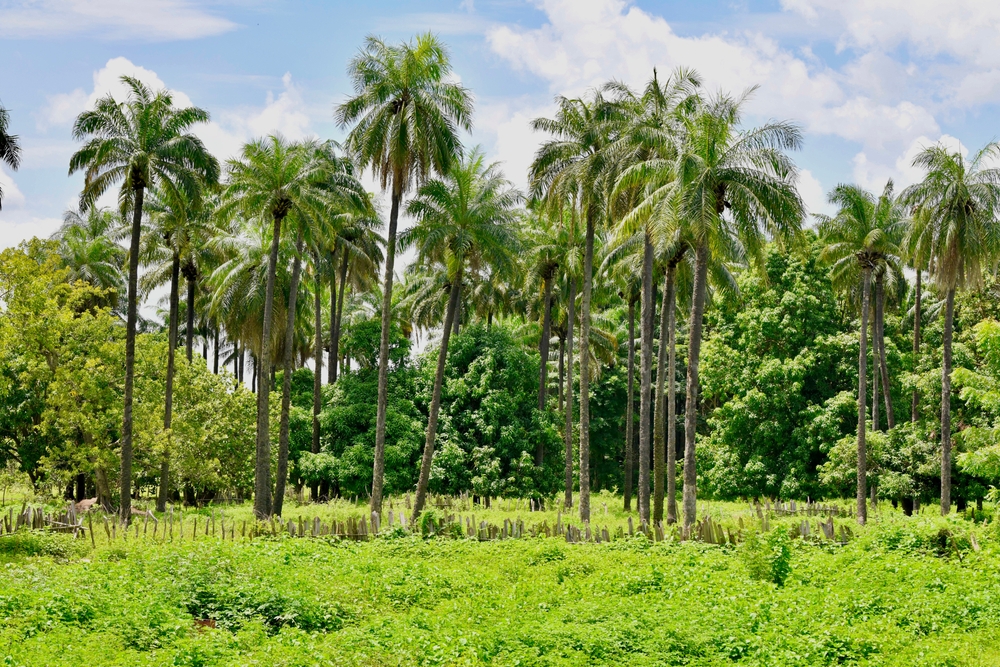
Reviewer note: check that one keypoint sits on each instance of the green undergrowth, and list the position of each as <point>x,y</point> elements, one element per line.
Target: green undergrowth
<point>912,592</point>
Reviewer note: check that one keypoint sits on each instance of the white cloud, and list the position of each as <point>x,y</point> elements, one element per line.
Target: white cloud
<point>21,226</point>
<point>509,138</point>
<point>155,20</point>
<point>13,198</point>
<point>874,174</point>
<point>583,43</point>
<point>229,129</point>
<point>813,194</point>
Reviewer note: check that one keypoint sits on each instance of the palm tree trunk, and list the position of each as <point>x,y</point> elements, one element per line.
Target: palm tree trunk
<point>168,403</point>
<point>432,419</point>
<point>659,427</point>
<point>875,374</point>
<point>215,352</point>
<point>949,323</point>
<point>543,356</point>
<point>691,406</point>
<point>645,377</point>
<point>340,306</point>
<point>378,471</point>
<point>562,372</point>
<point>189,342</point>
<point>318,352</point>
<point>890,417</point>
<point>629,406</point>
<point>915,406</point>
<point>262,464</point>
<point>588,280</point>
<point>331,370</point>
<point>671,299</point>
<point>569,395</point>
<point>125,507</point>
<point>458,311</point>
<point>286,379</point>
<point>862,490</point>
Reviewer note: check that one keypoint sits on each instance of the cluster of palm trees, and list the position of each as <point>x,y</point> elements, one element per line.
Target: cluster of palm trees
<point>631,193</point>
<point>947,225</point>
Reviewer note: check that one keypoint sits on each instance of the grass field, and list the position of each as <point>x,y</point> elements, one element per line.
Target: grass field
<point>905,591</point>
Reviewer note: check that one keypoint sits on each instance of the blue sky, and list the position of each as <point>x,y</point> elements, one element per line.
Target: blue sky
<point>869,82</point>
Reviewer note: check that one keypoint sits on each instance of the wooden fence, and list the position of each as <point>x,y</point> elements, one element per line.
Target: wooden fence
<point>361,528</point>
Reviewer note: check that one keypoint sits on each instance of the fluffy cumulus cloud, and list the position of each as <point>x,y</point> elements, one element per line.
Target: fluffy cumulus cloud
<point>868,101</point>
<point>285,112</point>
<point>13,198</point>
<point>155,20</point>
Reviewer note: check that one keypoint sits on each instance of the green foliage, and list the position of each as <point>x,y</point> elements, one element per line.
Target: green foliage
<point>914,596</point>
<point>767,557</point>
<point>773,363</point>
<point>490,424</point>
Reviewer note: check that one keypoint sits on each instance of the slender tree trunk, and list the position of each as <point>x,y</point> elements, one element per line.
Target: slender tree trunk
<point>671,419</point>
<point>659,407</point>
<point>332,367</point>
<point>949,322</point>
<point>168,404</point>
<point>890,416</point>
<point>288,366</point>
<point>588,280</point>
<point>569,394</point>
<point>318,353</point>
<point>630,407</point>
<point>262,465</point>
<point>253,379</point>
<point>340,304</point>
<point>458,311</point>
<point>130,320</point>
<point>691,407</point>
<point>432,419</point>
<point>189,342</point>
<point>645,377</point>
<point>378,472</point>
<point>915,407</point>
<point>543,355</point>
<point>875,374</point>
<point>215,352</point>
<point>562,372</point>
<point>862,490</point>
<point>242,360</point>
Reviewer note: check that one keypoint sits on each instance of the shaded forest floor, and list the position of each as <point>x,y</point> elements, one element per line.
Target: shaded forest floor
<point>905,591</point>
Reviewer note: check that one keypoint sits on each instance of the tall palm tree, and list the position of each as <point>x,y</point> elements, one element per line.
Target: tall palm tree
<point>10,147</point>
<point>575,162</point>
<point>143,142</point>
<point>464,220</point>
<point>275,178</point>
<point>405,115</point>
<point>862,238</point>
<point>957,205</point>
<point>88,245</point>
<point>736,188</point>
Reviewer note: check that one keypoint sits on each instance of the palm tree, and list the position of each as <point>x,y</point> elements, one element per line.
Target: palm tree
<point>463,220</point>
<point>88,245</point>
<point>861,238</point>
<point>406,116</point>
<point>144,143</point>
<point>276,178</point>
<point>736,188</point>
<point>10,147</point>
<point>957,204</point>
<point>575,162</point>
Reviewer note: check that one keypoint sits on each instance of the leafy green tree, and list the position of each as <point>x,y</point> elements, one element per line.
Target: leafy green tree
<point>958,204</point>
<point>465,220</point>
<point>863,237</point>
<point>143,142</point>
<point>405,116</point>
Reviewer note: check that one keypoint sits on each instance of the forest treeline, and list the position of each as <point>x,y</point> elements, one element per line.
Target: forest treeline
<point>658,314</point>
